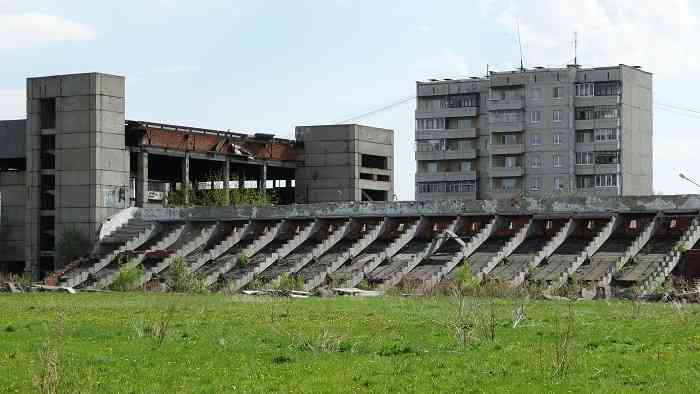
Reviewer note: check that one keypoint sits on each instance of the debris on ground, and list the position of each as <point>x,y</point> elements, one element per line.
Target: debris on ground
<point>353,291</point>
<point>278,293</point>
<point>11,287</point>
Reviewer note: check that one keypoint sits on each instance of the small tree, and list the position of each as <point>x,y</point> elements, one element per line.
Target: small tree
<point>73,243</point>
<point>465,281</point>
<point>184,281</point>
<point>127,277</point>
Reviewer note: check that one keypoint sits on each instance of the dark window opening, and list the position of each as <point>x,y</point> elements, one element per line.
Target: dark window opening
<point>46,223</point>
<point>366,176</point>
<point>18,164</point>
<point>374,195</point>
<point>372,161</point>
<point>48,182</point>
<point>585,113</point>
<point>48,142</point>
<point>607,158</point>
<point>383,178</point>
<point>48,161</point>
<point>48,113</point>
<point>607,88</point>
<point>47,202</point>
<point>45,265</point>
<point>46,242</point>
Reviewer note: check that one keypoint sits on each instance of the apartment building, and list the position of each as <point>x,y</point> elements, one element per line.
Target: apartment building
<point>535,132</point>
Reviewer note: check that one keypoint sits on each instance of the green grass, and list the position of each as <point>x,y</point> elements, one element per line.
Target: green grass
<point>218,343</point>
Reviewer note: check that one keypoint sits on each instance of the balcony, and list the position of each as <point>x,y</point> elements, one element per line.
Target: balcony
<point>591,101</point>
<point>445,176</point>
<point>446,196</point>
<point>499,194</point>
<point>507,149</point>
<point>446,133</point>
<point>596,124</point>
<point>507,79</point>
<point>447,112</point>
<point>466,154</point>
<point>506,172</point>
<point>607,145</point>
<point>507,127</point>
<point>501,105</point>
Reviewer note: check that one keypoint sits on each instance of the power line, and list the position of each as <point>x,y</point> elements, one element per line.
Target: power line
<point>374,111</point>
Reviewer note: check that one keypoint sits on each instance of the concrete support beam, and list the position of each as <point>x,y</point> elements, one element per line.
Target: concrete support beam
<point>142,179</point>
<point>241,180</point>
<point>186,177</point>
<point>227,178</point>
<point>263,177</point>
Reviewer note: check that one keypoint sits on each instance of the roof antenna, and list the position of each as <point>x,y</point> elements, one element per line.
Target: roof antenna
<point>520,45</point>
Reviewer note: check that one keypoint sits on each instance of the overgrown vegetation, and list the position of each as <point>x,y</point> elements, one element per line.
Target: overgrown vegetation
<point>136,342</point>
<point>287,281</point>
<point>128,277</point>
<point>73,243</point>
<point>215,197</point>
<point>184,281</point>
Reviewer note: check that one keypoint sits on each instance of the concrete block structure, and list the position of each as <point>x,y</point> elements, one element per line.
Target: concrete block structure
<point>535,132</point>
<point>76,161</point>
<point>345,163</point>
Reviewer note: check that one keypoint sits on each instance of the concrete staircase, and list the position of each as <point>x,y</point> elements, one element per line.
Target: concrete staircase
<point>592,247</point>
<point>181,251</point>
<point>129,236</point>
<point>168,239</point>
<point>547,251</point>
<point>507,249</point>
<point>337,261</point>
<point>237,233</point>
<point>267,260</point>
<point>259,243</point>
<point>670,260</point>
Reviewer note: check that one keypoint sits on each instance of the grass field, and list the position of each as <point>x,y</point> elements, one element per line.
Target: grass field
<point>154,343</point>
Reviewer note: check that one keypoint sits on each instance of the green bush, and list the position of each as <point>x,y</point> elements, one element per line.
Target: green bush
<point>128,276</point>
<point>288,282</point>
<point>242,261</point>
<point>184,281</point>
<point>73,243</point>
<point>464,279</point>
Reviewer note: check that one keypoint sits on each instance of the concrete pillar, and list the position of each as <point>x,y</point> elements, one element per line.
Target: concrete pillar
<point>263,177</point>
<point>241,180</point>
<point>142,179</point>
<point>227,177</point>
<point>186,177</point>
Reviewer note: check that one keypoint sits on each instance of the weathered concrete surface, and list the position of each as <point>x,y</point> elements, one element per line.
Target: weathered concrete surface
<point>568,205</point>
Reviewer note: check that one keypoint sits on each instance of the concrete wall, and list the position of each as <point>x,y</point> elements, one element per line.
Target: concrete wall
<point>330,163</point>
<point>12,141</point>
<point>91,162</point>
<point>637,132</point>
<point>12,216</point>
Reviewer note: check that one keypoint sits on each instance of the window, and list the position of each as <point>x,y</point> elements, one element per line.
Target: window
<point>607,88</point>
<point>461,101</point>
<point>585,113</point>
<point>556,158</point>
<point>48,142</point>
<point>558,185</point>
<point>466,166</point>
<point>557,92</point>
<point>505,116</point>
<point>509,162</point>
<point>535,162</point>
<point>497,95</point>
<point>430,103</point>
<point>606,112</point>
<point>535,116</point>
<point>507,184</point>
<point>605,135</point>
<point>633,224</point>
<point>556,138</point>
<point>606,180</point>
<point>584,181</point>
<point>584,136</point>
<point>536,184</point>
<point>459,123</point>
<point>584,158</point>
<point>536,93</point>
<point>432,166</point>
<point>584,89</point>
<point>548,225</point>
<point>447,187</point>
<point>430,123</point>
<point>556,115</point>
<point>505,139</point>
<point>607,158</point>
<point>48,113</point>
<point>535,139</point>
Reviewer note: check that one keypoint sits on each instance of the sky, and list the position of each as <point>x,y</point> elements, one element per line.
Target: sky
<point>268,66</point>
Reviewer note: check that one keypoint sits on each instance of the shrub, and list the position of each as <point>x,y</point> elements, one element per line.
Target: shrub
<point>128,276</point>
<point>184,281</point>
<point>288,282</point>
<point>73,243</point>
<point>253,197</point>
<point>242,261</point>
<point>465,281</point>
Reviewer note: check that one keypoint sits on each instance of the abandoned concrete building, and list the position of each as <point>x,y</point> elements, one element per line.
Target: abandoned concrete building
<point>76,160</point>
<point>535,132</point>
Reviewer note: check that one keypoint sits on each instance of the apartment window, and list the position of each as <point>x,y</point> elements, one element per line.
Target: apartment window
<point>557,92</point>
<point>432,166</point>
<point>509,162</point>
<point>458,123</point>
<point>558,184</point>
<point>447,187</point>
<point>607,88</point>
<point>535,162</point>
<point>536,93</point>
<point>584,181</point>
<point>606,180</point>
<point>556,138</point>
<point>607,158</point>
<point>430,103</point>
<point>507,184</point>
<point>584,158</point>
<point>535,184</point>
<point>556,115</point>
<point>466,166</point>
<point>430,123</point>
<point>461,101</point>
<point>606,112</point>
<point>505,116</point>
<point>584,136</point>
<point>48,113</point>
<point>585,113</point>
<point>535,139</point>
<point>497,95</point>
<point>535,116</point>
<point>584,89</point>
<point>556,158</point>
<point>605,135</point>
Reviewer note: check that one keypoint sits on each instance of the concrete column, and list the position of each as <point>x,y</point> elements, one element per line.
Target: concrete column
<point>227,177</point>
<point>142,179</point>
<point>186,177</point>
<point>241,180</point>
<point>263,176</point>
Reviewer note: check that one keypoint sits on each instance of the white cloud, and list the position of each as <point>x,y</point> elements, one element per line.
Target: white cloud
<point>22,30</point>
<point>12,104</point>
<point>654,34</point>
